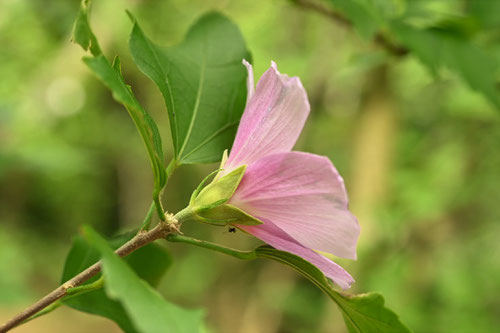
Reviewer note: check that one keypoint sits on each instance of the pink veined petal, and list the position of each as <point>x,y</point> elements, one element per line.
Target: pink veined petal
<point>278,239</point>
<point>250,83</point>
<point>273,118</point>
<point>303,195</point>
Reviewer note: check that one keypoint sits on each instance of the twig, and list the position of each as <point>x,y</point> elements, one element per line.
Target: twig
<point>334,15</point>
<point>142,238</point>
<point>380,39</point>
<point>70,293</point>
<point>394,49</point>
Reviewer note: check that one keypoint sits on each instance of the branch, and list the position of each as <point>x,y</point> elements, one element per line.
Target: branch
<point>394,49</point>
<point>142,238</point>
<point>379,38</point>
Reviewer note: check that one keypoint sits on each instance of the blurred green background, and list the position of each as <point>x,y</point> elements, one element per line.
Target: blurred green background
<point>419,151</point>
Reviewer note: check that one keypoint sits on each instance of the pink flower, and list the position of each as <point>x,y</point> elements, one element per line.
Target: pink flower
<point>300,197</point>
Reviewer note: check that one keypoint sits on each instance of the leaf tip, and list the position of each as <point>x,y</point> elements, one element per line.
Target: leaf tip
<point>131,16</point>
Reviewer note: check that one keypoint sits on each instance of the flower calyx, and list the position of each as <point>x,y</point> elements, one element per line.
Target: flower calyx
<point>209,204</point>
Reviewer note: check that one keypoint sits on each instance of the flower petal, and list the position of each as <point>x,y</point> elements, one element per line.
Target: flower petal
<point>278,239</point>
<point>273,118</point>
<point>303,195</point>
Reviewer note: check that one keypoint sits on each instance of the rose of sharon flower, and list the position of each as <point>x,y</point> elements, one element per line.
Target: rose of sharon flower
<point>299,197</point>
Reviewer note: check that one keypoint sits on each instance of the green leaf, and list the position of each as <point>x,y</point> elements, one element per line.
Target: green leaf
<point>461,27</point>
<point>363,313</point>
<point>367,313</point>
<point>438,49</point>
<point>111,76</point>
<point>219,191</point>
<point>82,34</point>
<point>446,44</point>
<point>97,302</point>
<point>486,12</point>
<point>227,214</point>
<point>202,81</point>
<point>148,310</point>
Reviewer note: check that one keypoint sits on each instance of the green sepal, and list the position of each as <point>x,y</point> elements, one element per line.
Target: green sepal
<point>222,164</point>
<point>226,214</point>
<point>200,187</point>
<point>209,205</point>
<point>219,191</point>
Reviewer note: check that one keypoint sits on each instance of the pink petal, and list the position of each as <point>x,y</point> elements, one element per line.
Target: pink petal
<point>303,195</point>
<point>273,118</point>
<point>278,239</point>
<point>250,83</point>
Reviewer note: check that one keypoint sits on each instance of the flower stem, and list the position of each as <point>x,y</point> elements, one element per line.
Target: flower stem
<point>85,288</point>
<point>146,224</point>
<point>159,207</point>
<point>243,255</point>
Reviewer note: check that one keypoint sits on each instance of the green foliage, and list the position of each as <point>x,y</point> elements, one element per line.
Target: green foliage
<point>485,12</point>
<point>111,76</point>
<point>367,313</point>
<point>82,34</point>
<point>82,255</point>
<point>57,168</point>
<point>438,48</point>
<point>363,313</point>
<point>445,43</point>
<point>147,309</point>
<point>203,83</point>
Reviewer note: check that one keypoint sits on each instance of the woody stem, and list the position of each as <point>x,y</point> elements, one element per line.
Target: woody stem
<point>161,230</point>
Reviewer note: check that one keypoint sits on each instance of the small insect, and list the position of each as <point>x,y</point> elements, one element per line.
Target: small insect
<point>231,229</point>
